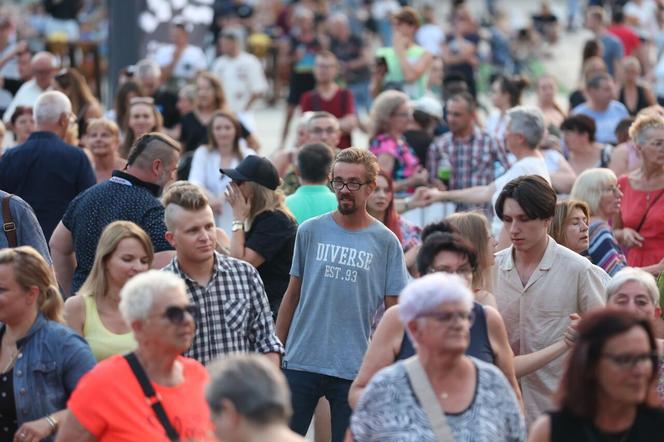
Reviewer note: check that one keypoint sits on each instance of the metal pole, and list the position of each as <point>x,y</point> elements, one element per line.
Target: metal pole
<point>124,36</point>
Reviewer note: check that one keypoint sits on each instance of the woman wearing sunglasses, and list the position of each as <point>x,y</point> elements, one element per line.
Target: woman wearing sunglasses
<point>603,392</point>
<point>110,403</point>
<point>123,251</point>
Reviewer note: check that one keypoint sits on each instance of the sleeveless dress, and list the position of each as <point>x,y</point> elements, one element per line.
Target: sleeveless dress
<point>479,347</point>
<point>648,426</point>
<point>633,209</point>
<point>103,342</point>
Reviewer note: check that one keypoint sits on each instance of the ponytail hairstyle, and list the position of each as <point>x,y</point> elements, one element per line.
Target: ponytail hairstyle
<point>31,270</point>
<point>513,86</point>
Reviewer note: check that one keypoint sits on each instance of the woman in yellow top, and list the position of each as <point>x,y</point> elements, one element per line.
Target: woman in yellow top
<point>124,250</point>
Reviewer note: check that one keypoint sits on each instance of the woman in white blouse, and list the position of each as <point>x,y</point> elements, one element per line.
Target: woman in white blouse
<point>222,151</point>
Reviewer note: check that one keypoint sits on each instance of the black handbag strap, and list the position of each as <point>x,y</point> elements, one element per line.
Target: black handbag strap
<point>151,396</point>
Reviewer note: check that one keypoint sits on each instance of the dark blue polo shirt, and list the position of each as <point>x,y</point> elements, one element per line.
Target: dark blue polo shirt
<point>123,197</point>
<point>47,173</point>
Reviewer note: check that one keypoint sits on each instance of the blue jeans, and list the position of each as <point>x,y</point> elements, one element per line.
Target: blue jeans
<point>361,96</point>
<point>307,388</point>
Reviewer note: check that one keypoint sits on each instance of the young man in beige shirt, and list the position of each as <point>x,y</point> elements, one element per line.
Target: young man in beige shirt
<point>539,284</point>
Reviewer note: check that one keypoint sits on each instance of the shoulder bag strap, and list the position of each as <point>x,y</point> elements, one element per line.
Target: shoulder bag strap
<point>151,396</point>
<point>645,215</point>
<point>425,394</point>
<point>8,225</point>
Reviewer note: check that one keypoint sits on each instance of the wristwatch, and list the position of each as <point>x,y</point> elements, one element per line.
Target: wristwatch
<point>237,225</point>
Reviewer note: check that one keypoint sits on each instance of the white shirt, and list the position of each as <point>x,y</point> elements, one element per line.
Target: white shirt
<point>205,172</point>
<point>191,61</point>
<point>525,166</point>
<point>430,37</point>
<point>646,13</point>
<point>26,95</point>
<point>241,77</point>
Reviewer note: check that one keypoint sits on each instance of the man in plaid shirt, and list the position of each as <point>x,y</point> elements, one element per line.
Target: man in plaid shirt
<point>473,154</point>
<point>234,313</point>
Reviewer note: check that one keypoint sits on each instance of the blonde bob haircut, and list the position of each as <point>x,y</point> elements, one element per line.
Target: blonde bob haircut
<point>384,106</point>
<point>562,216</point>
<point>96,284</point>
<point>106,124</point>
<point>589,186</point>
<point>474,228</point>
<point>31,270</point>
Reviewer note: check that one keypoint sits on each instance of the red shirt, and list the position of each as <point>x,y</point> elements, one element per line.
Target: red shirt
<point>341,104</point>
<point>110,404</point>
<point>628,37</point>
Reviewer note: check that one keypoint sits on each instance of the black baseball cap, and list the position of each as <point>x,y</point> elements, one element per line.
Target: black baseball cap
<point>257,169</point>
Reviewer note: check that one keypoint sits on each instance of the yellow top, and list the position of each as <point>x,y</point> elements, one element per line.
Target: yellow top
<point>103,342</point>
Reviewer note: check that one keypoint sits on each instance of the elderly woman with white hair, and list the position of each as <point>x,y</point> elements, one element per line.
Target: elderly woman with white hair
<point>153,393</point>
<point>249,400</point>
<point>523,136</point>
<point>635,290</point>
<point>440,393</point>
<point>598,188</point>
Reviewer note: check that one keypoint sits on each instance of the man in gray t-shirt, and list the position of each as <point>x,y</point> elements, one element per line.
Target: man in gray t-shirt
<point>346,263</point>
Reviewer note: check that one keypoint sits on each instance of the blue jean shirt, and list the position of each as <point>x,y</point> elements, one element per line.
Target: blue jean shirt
<point>51,360</point>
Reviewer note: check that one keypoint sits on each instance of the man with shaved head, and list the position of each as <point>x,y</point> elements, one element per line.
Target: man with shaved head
<point>130,195</point>
<point>44,66</point>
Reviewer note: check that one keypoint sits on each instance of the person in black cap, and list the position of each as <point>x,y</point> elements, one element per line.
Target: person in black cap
<point>263,227</point>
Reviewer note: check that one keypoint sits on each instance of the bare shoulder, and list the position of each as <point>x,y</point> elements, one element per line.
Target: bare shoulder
<point>541,429</point>
<point>75,313</point>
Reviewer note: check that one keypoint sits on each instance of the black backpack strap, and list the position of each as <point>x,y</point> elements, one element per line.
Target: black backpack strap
<point>8,225</point>
<point>151,396</point>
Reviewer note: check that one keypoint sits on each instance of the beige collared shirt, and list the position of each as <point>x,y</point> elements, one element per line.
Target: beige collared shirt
<point>537,314</point>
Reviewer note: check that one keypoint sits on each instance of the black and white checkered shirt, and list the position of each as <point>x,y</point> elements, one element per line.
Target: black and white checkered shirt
<point>234,314</point>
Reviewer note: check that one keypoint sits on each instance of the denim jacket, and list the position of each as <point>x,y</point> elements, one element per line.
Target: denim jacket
<point>51,360</point>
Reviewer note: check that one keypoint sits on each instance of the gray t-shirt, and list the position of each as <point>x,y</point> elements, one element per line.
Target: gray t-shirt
<point>28,230</point>
<point>345,276</point>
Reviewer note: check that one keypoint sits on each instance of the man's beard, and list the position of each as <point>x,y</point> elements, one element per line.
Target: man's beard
<point>347,210</point>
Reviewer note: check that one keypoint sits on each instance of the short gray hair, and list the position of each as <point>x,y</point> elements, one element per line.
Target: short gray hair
<point>425,294</point>
<point>629,274</point>
<point>139,293</point>
<point>49,106</point>
<point>529,122</point>
<point>589,186</point>
<point>257,389</point>
<point>147,68</point>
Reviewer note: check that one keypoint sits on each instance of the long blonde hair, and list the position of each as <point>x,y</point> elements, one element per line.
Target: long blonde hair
<point>474,228</point>
<point>96,284</point>
<point>31,270</point>
<point>266,200</point>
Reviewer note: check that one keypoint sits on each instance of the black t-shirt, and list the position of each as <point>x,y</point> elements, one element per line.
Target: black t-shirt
<point>272,236</point>
<point>193,133</point>
<point>166,102</point>
<point>648,426</point>
<point>419,141</point>
<point>347,51</point>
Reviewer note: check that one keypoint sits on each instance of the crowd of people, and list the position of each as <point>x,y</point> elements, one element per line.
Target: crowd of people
<point>161,278</point>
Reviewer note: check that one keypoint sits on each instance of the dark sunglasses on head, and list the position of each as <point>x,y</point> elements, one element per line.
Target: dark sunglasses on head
<point>175,314</point>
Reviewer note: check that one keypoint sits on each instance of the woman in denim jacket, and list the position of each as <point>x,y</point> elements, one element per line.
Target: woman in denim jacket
<point>41,360</point>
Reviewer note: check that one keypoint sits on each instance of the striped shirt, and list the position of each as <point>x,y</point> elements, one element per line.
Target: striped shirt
<point>604,250</point>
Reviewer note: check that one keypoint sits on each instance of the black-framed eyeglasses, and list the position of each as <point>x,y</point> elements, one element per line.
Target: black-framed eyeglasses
<point>353,186</point>
<point>175,314</point>
<point>628,361</point>
<point>466,270</point>
<point>447,318</point>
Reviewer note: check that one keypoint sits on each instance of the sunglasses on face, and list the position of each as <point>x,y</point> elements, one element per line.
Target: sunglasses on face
<point>175,314</point>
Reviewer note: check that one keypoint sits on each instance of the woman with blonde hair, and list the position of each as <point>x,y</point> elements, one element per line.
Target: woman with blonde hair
<point>142,117</point>
<point>569,226</point>
<point>598,188</point>
<point>38,354</point>
<point>103,142</point>
<point>263,227</point>
<point>123,251</point>
<point>390,117</point>
<point>639,226</point>
<point>474,228</point>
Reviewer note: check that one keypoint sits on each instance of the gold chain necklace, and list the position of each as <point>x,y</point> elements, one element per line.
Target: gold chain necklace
<point>12,359</point>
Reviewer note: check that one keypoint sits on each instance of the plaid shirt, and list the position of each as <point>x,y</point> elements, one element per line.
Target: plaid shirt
<point>473,162</point>
<point>234,313</point>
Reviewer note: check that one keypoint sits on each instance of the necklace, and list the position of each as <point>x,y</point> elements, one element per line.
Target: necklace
<point>12,359</point>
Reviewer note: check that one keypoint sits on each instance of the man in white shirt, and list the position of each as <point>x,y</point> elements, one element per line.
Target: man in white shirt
<point>242,77</point>
<point>44,66</point>
<point>180,61</point>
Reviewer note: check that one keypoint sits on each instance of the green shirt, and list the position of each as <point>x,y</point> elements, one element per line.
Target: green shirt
<point>415,89</point>
<point>309,201</point>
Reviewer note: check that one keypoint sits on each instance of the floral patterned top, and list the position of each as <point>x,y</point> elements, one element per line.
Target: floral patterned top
<point>410,234</point>
<point>405,161</point>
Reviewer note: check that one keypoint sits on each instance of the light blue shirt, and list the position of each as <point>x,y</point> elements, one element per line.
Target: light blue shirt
<point>606,121</point>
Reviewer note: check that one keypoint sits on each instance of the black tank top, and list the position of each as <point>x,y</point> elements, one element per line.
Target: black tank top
<point>648,426</point>
<point>641,102</point>
<point>479,347</point>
